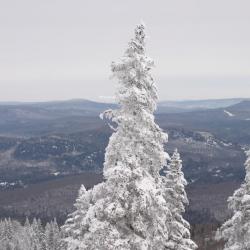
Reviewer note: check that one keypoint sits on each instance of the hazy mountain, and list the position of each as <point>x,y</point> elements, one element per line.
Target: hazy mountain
<point>240,110</point>
<point>41,118</point>
<point>55,109</point>
<point>192,105</point>
<point>50,110</point>
<point>31,119</point>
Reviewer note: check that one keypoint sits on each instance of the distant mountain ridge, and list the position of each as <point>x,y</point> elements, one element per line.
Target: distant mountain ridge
<point>242,109</point>
<point>94,106</point>
<point>193,105</point>
<point>41,118</point>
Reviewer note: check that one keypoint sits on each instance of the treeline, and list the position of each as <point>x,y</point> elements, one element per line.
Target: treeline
<point>204,236</point>
<point>30,236</point>
<point>34,235</point>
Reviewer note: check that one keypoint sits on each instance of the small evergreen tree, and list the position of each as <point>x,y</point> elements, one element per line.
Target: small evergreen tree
<point>72,228</point>
<point>39,237</point>
<point>174,192</point>
<point>128,211</point>
<point>52,236</point>
<point>236,231</point>
<point>48,236</point>
<point>72,225</point>
<point>28,235</point>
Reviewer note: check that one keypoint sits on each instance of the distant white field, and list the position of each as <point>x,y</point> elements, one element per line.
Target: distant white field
<point>228,113</point>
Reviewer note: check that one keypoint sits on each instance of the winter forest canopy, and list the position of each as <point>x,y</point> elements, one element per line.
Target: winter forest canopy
<point>141,202</point>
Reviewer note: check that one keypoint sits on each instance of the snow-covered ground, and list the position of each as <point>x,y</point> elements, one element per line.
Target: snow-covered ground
<point>228,113</point>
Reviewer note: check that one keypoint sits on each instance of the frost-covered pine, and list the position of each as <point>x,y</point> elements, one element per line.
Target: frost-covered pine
<point>72,227</point>
<point>52,236</point>
<point>38,236</point>
<point>174,192</point>
<point>236,231</point>
<point>128,210</point>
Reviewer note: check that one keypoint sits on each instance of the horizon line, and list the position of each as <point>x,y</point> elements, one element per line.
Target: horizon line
<point>102,101</point>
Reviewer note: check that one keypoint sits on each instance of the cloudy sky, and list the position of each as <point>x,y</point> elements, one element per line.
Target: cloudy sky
<point>62,49</point>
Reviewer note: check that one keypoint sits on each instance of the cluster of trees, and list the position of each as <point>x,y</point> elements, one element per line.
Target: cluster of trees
<point>30,236</point>
<point>135,208</point>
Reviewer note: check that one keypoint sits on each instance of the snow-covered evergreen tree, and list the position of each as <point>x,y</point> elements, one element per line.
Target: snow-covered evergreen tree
<point>174,192</point>
<point>128,210</point>
<point>236,231</point>
<point>72,228</point>
<point>38,234</point>
<point>52,236</point>
<point>30,242</point>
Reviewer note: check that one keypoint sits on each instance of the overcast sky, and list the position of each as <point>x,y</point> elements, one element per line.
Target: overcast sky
<point>52,50</point>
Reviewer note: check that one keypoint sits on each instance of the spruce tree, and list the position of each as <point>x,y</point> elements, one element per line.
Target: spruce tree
<point>28,235</point>
<point>52,236</point>
<point>128,210</point>
<point>174,192</point>
<point>236,231</point>
<point>38,234</point>
<point>72,229</point>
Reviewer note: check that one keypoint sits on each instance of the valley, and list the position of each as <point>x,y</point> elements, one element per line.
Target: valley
<point>47,150</point>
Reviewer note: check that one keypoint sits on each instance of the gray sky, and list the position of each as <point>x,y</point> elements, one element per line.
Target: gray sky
<point>62,49</point>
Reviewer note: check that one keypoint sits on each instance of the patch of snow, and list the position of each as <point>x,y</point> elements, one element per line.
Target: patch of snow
<point>193,180</point>
<point>246,198</point>
<point>226,144</point>
<point>228,113</point>
<point>145,184</point>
